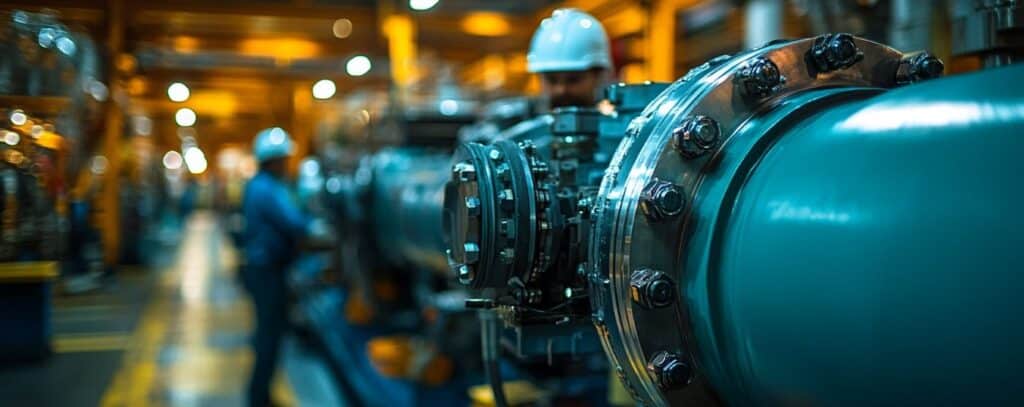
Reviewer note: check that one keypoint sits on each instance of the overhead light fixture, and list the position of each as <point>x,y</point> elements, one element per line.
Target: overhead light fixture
<point>185,117</point>
<point>18,117</point>
<point>12,138</point>
<point>142,125</point>
<point>195,160</point>
<point>324,89</point>
<point>449,107</point>
<point>342,28</point>
<point>358,65</point>
<point>98,164</point>
<point>178,92</point>
<point>172,160</point>
<point>421,5</point>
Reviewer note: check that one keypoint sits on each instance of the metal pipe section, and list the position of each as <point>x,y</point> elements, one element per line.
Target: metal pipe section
<point>406,199</point>
<point>846,244</point>
<point>870,255</point>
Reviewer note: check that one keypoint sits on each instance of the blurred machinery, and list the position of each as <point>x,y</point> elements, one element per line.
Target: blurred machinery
<point>45,77</point>
<point>774,228</point>
<point>991,29</point>
<point>402,339</point>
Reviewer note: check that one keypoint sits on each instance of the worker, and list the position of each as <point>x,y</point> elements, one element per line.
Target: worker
<point>570,52</point>
<point>274,228</point>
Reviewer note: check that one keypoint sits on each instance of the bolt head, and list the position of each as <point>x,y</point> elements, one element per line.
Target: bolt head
<point>583,207</point>
<point>507,199</point>
<point>670,370</point>
<point>466,274</point>
<point>759,78</point>
<point>926,66</point>
<point>696,136</point>
<point>652,289</point>
<point>464,172</point>
<point>661,200</point>
<point>494,154</point>
<point>503,171</point>
<point>661,292</point>
<point>842,49</point>
<point>473,205</point>
<point>669,200</point>
<point>506,229</point>
<point>832,52</point>
<point>472,251</point>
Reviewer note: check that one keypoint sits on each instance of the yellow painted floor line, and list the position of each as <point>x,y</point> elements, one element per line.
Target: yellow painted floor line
<point>180,315</point>
<point>133,381</point>
<point>91,342</point>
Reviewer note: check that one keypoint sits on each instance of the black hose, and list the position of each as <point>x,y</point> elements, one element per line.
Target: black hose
<point>492,369</point>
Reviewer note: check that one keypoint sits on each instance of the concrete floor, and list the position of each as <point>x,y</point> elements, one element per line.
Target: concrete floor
<point>174,336</point>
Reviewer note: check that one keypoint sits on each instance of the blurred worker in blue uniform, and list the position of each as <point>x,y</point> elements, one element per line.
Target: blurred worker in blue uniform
<point>571,54</point>
<point>274,228</point>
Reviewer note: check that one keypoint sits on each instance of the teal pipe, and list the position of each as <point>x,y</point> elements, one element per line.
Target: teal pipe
<point>406,203</point>
<point>872,255</point>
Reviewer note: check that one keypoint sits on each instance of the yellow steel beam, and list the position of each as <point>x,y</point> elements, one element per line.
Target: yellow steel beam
<point>661,38</point>
<point>400,30</point>
<point>114,123</point>
<point>303,118</point>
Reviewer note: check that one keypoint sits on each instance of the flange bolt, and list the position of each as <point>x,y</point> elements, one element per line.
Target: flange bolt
<point>661,200</point>
<point>759,78</point>
<point>832,52</point>
<point>652,289</point>
<point>696,136</point>
<point>670,371</point>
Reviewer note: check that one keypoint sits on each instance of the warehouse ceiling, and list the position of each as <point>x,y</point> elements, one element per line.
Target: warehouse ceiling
<point>246,61</point>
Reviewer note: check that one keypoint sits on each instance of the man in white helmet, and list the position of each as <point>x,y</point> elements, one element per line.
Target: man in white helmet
<point>274,227</point>
<point>570,52</point>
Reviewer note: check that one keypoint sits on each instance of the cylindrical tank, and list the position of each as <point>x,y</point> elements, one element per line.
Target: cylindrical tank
<point>872,255</point>
<point>407,196</point>
<point>845,244</point>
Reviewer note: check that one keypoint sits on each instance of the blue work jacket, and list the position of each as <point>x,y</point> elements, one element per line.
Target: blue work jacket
<point>274,223</point>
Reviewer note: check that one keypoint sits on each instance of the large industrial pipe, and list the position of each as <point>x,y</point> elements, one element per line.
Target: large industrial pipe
<point>842,245</point>
<point>871,255</point>
<point>405,204</point>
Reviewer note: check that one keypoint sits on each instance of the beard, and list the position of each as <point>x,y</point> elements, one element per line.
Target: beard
<point>570,100</point>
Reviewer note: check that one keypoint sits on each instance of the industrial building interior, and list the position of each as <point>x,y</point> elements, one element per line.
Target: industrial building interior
<point>511,203</point>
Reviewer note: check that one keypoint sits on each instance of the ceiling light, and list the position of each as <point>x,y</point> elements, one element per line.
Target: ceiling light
<point>172,160</point>
<point>342,28</point>
<point>324,89</point>
<point>18,118</point>
<point>449,107</point>
<point>185,117</point>
<point>195,160</point>
<point>359,65</point>
<point>11,138</point>
<point>420,5</point>
<point>178,92</point>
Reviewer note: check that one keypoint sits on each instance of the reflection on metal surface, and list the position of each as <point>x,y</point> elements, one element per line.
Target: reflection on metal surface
<point>931,114</point>
<point>787,211</point>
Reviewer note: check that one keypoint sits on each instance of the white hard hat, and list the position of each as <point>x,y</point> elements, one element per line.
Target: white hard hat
<point>569,40</point>
<point>272,143</point>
